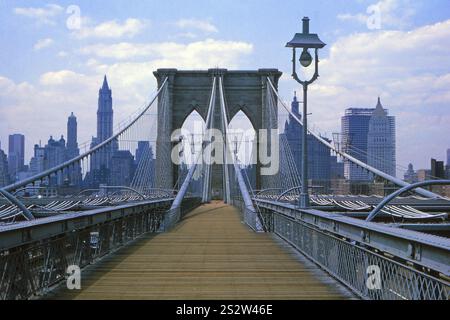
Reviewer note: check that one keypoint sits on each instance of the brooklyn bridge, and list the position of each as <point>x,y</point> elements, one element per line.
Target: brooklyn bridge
<point>210,228</point>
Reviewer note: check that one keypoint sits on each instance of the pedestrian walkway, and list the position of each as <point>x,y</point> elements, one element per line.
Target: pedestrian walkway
<point>210,254</point>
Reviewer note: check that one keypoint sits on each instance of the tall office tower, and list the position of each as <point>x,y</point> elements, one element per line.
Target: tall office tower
<point>4,174</point>
<point>145,165</point>
<point>447,167</point>
<point>101,161</point>
<point>16,155</point>
<point>368,134</point>
<point>104,112</point>
<point>319,156</point>
<point>122,168</point>
<point>293,133</point>
<point>72,144</point>
<point>37,162</point>
<point>381,141</point>
<point>437,169</point>
<point>74,175</point>
<point>55,153</point>
<point>355,129</point>
<point>336,168</point>
<point>142,151</point>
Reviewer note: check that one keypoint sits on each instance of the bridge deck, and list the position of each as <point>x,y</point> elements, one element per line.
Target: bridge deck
<point>209,255</point>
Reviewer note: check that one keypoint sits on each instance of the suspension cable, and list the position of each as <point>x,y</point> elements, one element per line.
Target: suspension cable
<point>98,147</point>
<point>380,173</point>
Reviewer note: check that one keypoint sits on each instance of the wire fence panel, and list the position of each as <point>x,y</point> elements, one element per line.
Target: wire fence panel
<point>31,270</point>
<point>368,274</point>
<point>173,216</point>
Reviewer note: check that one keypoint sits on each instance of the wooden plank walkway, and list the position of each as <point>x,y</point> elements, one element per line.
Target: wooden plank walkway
<point>209,255</point>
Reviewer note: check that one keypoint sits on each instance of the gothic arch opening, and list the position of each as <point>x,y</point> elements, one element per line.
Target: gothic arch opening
<point>242,135</point>
<point>192,130</point>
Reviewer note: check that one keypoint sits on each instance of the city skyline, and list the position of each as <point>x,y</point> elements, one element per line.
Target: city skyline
<point>115,166</point>
<point>356,67</point>
<point>104,130</point>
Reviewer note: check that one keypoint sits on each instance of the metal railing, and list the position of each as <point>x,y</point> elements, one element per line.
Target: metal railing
<point>248,214</point>
<point>32,268</point>
<point>175,214</point>
<point>367,273</point>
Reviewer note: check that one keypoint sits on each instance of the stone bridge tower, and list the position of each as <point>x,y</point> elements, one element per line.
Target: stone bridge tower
<point>190,90</point>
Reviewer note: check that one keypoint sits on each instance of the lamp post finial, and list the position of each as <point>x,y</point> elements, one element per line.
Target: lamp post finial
<point>305,25</point>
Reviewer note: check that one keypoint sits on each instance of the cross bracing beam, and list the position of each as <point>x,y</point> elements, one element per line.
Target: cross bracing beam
<point>345,155</point>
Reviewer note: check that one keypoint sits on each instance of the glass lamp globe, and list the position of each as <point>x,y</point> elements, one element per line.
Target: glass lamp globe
<point>305,58</point>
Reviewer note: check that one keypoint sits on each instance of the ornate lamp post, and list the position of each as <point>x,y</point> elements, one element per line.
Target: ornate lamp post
<point>305,41</point>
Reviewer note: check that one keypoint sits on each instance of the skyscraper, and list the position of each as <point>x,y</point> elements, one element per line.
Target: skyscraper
<point>319,156</point>
<point>74,173</point>
<point>448,157</point>
<point>122,168</point>
<point>447,168</point>
<point>101,161</point>
<point>292,131</point>
<point>145,163</point>
<point>4,174</point>
<point>437,169</point>
<point>37,162</point>
<point>142,151</point>
<point>104,112</point>
<point>381,141</point>
<point>368,134</point>
<point>16,155</point>
<point>72,144</point>
<point>355,129</point>
<point>55,153</point>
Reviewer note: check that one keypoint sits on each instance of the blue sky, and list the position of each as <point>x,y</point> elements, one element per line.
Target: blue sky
<point>50,67</point>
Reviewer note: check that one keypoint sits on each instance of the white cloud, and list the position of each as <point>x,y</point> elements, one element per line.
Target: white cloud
<point>112,29</point>
<point>57,93</point>
<point>187,35</point>
<point>44,15</point>
<point>393,14</point>
<point>62,77</point>
<point>40,110</point>
<point>63,54</point>
<point>122,50</point>
<point>359,17</point>
<point>199,54</point>
<point>408,69</point>
<point>197,24</point>
<point>43,43</point>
